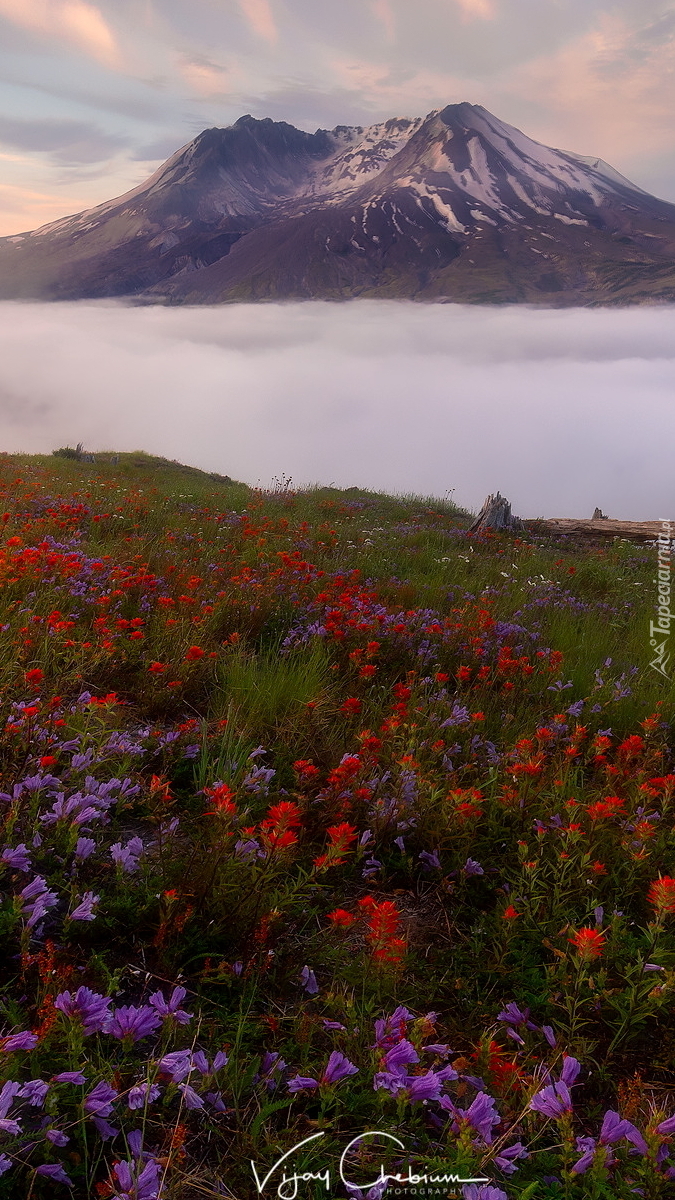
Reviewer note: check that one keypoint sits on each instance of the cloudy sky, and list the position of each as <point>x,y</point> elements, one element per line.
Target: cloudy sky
<point>94,94</point>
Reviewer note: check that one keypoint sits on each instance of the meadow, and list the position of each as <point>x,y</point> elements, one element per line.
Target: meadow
<point>324,818</point>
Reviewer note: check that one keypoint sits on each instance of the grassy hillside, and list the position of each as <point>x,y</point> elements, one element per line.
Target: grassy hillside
<point>323,816</point>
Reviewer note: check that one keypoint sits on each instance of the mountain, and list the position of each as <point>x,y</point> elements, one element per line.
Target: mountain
<point>454,206</point>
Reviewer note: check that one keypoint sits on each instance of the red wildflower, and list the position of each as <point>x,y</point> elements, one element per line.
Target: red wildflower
<point>351,707</point>
<point>48,760</point>
<point>34,677</point>
<point>156,668</point>
<point>510,913</point>
<point>221,797</point>
<point>384,922</point>
<point>588,943</point>
<point>306,769</point>
<point>662,894</point>
<point>194,653</point>
<point>611,806</point>
<point>341,918</point>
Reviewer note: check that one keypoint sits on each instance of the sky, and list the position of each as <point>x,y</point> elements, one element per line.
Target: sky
<point>559,410</point>
<point>95,94</point>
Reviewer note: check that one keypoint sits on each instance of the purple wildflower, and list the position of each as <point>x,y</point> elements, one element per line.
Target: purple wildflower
<point>99,1101</point>
<point>131,1024</point>
<point>338,1067</point>
<point>137,1182</point>
<point>397,1059</point>
<point>6,1164</point>
<point>424,1087</point>
<point>430,860</point>
<point>471,867</point>
<point>17,859</point>
<point>10,1091</point>
<point>56,1137</point>
<point>506,1159</point>
<point>553,1101</point>
<point>392,1029</point>
<point>171,1008</point>
<point>477,1191</point>
<point>570,1071</point>
<point>90,1007</point>
<point>85,909</point>
<point>84,848</point>
<point>127,856</point>
<point>302,1083</point>
<point>142,1094</point>
<point>176,1065</point>
<point>481,1114</point>
<point>37,900</point>
<point>34,1091</point>
<point>54,1171</point>
<point>192,1099</point>
<point>69,1077</point>
<point>19,1041</point>
<point>308,981</point>
<point>549,1035</point>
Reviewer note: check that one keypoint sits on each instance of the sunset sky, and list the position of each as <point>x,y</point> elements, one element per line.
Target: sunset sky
<point>94,95</point>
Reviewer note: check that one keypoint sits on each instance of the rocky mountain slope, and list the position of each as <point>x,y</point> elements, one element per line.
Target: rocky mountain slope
<point>455,206</point>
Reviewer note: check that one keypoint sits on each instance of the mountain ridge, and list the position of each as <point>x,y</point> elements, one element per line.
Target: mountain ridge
<point>456,205</point>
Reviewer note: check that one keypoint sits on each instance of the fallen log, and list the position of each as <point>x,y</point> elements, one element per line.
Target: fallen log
<point>606,527</point>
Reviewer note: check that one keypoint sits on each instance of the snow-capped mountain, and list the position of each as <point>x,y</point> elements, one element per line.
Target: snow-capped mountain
<point>456,205</point>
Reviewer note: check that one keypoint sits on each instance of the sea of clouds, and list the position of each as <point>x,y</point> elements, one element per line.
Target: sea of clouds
<point>559,410</point>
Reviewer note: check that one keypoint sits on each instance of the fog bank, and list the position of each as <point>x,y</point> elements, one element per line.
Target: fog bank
<point>559,410</point>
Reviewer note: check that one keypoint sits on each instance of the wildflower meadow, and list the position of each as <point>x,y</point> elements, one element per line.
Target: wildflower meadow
<point>337,848</point>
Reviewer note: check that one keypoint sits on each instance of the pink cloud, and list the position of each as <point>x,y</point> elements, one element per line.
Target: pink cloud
<point>609,92</point>
<point>260,17</point>
<point>383,11</point>
<point>74,21</point>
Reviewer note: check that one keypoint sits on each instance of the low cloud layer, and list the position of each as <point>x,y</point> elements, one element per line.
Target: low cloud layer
<point>559,410</point>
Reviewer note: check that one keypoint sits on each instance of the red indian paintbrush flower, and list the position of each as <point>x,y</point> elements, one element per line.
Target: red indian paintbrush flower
<point>221,796</point>
<point>194,653</point>
<point>588,943</point>
<point>662,894</point>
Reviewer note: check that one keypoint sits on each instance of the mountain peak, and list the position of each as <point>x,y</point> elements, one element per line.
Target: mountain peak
<point>456,205</point>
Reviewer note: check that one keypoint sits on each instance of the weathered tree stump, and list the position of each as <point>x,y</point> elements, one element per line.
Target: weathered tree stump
<point>496,516</point>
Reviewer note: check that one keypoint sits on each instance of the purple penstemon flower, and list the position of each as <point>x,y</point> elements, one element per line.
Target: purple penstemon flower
<point>308,981</point>
<point>34,1091</point>
<point>553,1101</point>
<point>143,1094</point>
<point>37,900</point>
<point>127,857</point>
<point>430,860</point>
<point>507,1158</point>
<point>471,867</point>
<point>338,1067</point>
<point>54,1171</point>
<point>16,858</point>
<point>99,1102</point>
<point>170,1009</point>
<point>481,1115</point>
<point>136,1181</point>
<point>84,848</point>
<point>613,1129</point>
<point>85,909</point>
<point>129,1023</point>
<point>177,1065</point>
<point>89,1007</point>
<point>18,1041</point>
